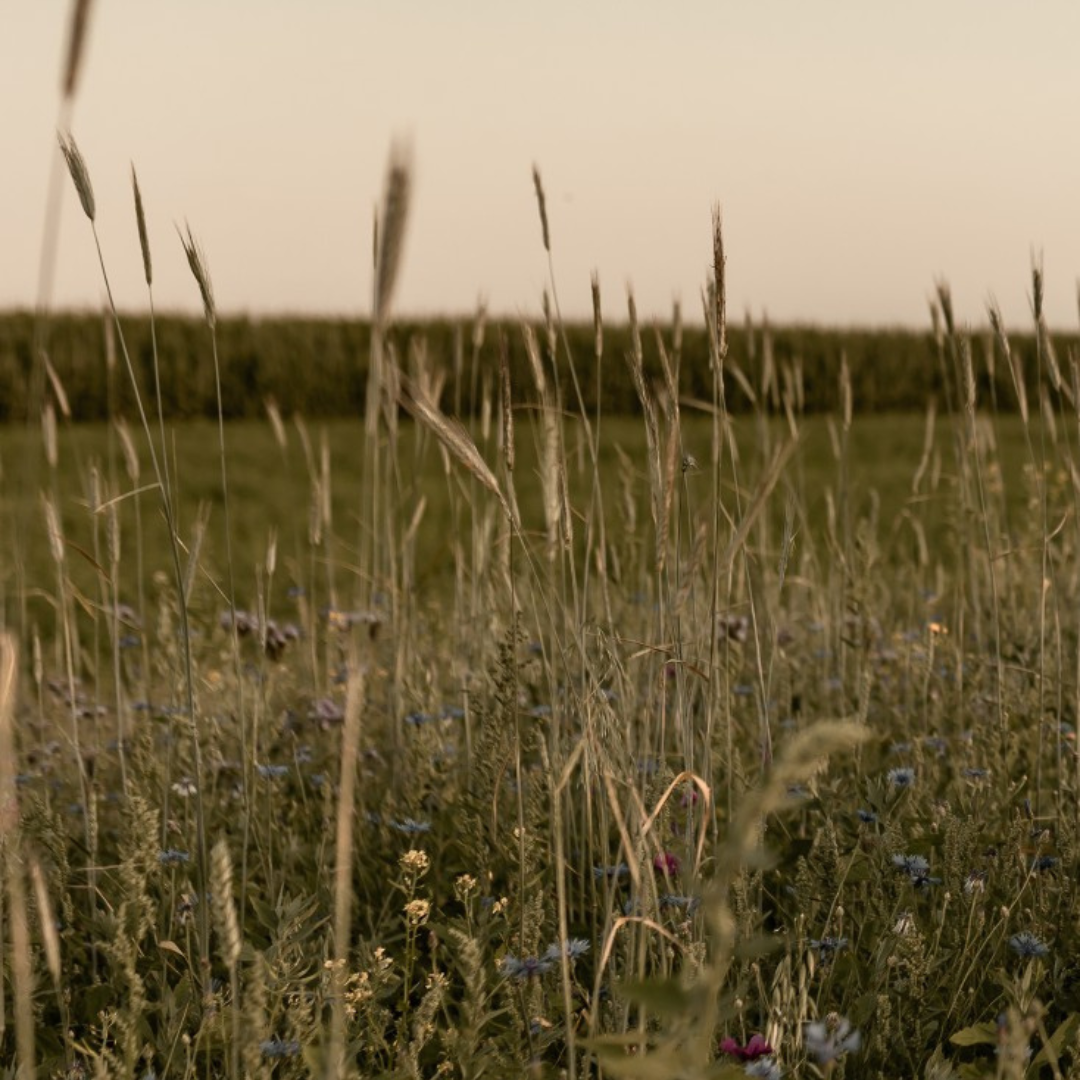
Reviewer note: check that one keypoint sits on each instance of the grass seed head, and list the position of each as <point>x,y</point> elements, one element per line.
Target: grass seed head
<point>80,175</point>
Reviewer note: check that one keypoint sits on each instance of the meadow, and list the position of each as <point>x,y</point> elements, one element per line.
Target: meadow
<point>553,743</point>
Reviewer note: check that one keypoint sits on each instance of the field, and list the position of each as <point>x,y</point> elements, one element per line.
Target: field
<point>556,742</point>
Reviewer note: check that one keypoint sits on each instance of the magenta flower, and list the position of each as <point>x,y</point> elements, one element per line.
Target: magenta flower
<point>756,1048</point>
<point>666,863</point>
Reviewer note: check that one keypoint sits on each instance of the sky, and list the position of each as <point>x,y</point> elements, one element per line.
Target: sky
<point>859,152</point>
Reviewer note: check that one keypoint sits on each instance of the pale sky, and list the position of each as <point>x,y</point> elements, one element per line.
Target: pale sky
<point>859,150</point>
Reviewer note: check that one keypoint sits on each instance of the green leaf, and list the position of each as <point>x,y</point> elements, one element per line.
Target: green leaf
<point>665,997</point>
<point>1064,1033</point>
<point>978,1035</point>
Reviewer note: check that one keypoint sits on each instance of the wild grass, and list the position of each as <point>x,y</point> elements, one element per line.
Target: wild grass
<point>546,746</point>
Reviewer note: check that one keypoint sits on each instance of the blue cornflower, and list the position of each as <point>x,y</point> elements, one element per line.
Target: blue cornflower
<point>1027,945</point>
<point>418,719</point>
<point>572,948</point>
<point>171,857</point>
<point>272,772</point>
<point>828,1039</point>
<point>828,947</point>
<point>975,773</point>
<point>278,1048</point>
<point>765,1067</point>
<point>1044,862</point>
<point>867,817</point>
<point>528,967</point>
<point>611,873</point>
<point>452,712</point>
<point>916,868</point>
<point>901,778</point>
<point>411,826</point>
<point>689,904</point>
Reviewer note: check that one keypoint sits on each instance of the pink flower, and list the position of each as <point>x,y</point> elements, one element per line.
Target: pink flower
<point>666,863</point>
<point>756,1048</point>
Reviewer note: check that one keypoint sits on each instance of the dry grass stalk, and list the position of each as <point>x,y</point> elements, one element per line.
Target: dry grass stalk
<point>720,279</point>
<point>541,203</point>
<point>199,268</point>
<point>47,920</point>
<point>507,405</point>
<point>390,238</point>
<point>550,456</point>
<point>228,926</point>
<point>273,414</point>
<point>57,386</point>
<point>598,319</point>
<point>22,976</point>
<point>144,240</point>
<point>48,434</point>
<point>1015,368</point>
<point>452,436</point>
<point>78,27</point>
<point>80,175</point>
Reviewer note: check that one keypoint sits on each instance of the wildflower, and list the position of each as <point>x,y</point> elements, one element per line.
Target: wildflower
<point>689,904</point>
<point>901,778</point>
<point>766,1067</point>
<point>1044,862</point>
<point>975,882</point>
<point>171,857</point>
<point>828,947</point>
<point>415,862</point>
<point>411,825</point>
<point>272,772</point>
<point>419,719</point>
<point>904,925</point>
<point>937,744</point>
<point>828,1039</point>
<point>756,1048</point>
<point>1027,945</point>
<point>278,1048</point>
<point>185,788</point>
<point>612,873</point>
<point>326,711</point>
<point>976,774</point>
<point>417,911</point>
<point>666,863</point>
<point>464,886</point>
<point>572,948</point>
<point>522,970</point>
<point>916,868</point>
<point>867,817</point>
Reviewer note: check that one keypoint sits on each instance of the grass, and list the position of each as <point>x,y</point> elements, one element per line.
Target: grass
<point>561,744</point>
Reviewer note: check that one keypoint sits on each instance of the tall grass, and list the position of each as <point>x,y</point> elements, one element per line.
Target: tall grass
<point>695,767</point>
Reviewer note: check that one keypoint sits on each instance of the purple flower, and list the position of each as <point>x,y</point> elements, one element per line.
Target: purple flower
<point>756,1048</point>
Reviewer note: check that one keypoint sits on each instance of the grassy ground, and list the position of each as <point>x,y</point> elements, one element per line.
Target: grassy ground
<point>638,764</point>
